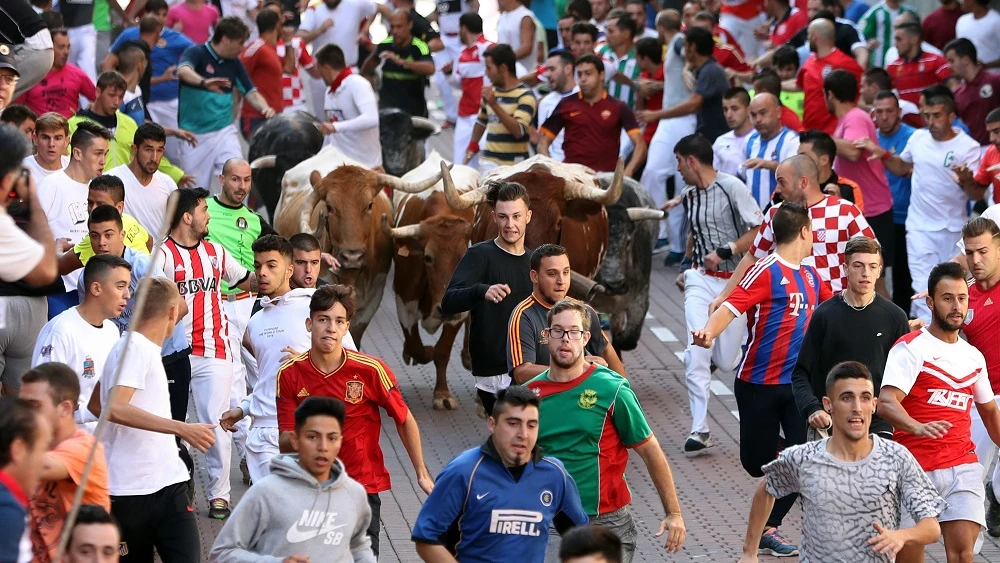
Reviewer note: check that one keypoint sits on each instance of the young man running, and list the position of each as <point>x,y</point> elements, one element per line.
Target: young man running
<point>309,508</point>
<point>854,473</point>
<point>329,369</point>
<point>528,492</point>
<point>932,380</point>
<point>591,418</point>
<point>779,295</point>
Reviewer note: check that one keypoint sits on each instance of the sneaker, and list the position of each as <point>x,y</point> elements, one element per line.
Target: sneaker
<point>245,471</point>
<point>673,259</point>
<point>992,513</point>
<point>772,543</point>
<point>661,246</point>
<point>219,509</point>
<point>698,442</point>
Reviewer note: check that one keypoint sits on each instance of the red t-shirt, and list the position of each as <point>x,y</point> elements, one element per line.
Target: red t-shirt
<point>729,57</point>
<point>810,80</point>
<point>364,383</point>
<point>939,26</point>
<point>911,77</point>
<point>790,119</point>
<point>783,31</point>
<point>265,69</point>
<point>974,100</point>
<point>982,325</point>
<point>654,103</point>
<point>984,175</point>
<point>593,132</point>
<point>60,91</point>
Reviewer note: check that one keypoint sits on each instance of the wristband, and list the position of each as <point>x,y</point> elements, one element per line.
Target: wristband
<point>724,252</point>
<point>473,147</point>
<point>885,156</point>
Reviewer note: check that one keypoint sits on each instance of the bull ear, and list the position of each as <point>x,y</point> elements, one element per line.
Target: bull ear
<point>315,178</point>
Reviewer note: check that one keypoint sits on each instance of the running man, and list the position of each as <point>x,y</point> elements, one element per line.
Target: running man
<point>527,492</point>
<point>853,472</point>
<point>779,295</point>
<point>932,380</point>
<point>583,407</point>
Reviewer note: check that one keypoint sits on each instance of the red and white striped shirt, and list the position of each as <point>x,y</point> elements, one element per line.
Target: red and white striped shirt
<point>291,84</point>
<point>197,272</point>
<point>471,71</point>
<point>834,222</point>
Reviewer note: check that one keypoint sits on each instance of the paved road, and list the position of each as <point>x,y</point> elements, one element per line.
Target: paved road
<point>714,490</point>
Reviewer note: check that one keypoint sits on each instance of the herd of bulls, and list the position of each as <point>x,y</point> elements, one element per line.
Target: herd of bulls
<point>606,222</point>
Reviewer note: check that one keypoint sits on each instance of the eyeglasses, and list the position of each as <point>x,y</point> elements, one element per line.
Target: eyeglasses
<point>557,333</point>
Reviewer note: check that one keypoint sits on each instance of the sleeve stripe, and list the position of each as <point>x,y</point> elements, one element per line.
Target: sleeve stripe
<point>514,332</point>
<point>374,364</point>
<point>757,270</point>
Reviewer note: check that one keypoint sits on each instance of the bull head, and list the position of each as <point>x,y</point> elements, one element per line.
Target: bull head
<point>345,200</point>
<point>579,190</point>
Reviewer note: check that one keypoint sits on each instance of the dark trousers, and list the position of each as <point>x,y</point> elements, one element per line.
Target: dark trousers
<point>764,409</point>
<point>178,368</point>
<point>488,400</point>
<point>375,504</point>
<point>902,285</point>
<point>162,521</point>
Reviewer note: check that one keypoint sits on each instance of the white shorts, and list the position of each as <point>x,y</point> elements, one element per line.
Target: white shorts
<point>962,488</point>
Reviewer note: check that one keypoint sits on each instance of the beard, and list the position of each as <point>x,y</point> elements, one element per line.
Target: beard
<point>565,364</point>
<point>944,323</point>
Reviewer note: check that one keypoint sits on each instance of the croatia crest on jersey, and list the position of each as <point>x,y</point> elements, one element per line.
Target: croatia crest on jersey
<point>355,392</point>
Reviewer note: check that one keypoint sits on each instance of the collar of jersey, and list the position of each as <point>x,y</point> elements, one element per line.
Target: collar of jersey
<point>489,449</point>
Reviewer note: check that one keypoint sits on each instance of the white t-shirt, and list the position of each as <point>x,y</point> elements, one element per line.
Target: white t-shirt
<point>147,204</point>
<point>19,253</point>
<point>545,108</point>
<point>353,109</point>
<point>984,34</point>
<point>992,213</point>
<point>347,16</point>
<point>64,201</point>
<point>69,339</point>
<point>730,152</point>
<point>280,323</point>
<point>37,172</point>
<point>140,462</point>
<point>937,202</point>
<point>509,32</point>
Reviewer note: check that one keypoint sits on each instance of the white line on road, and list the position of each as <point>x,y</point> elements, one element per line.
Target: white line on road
<point>719,388</point>
<point>663,333</point>
<point>680,355</point>
<point>736,414</point>
<point>649,316</point>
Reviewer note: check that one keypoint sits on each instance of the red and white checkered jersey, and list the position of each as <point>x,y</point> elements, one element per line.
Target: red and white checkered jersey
<point>291,84</point>
<point>197,272</point>
<point>942,381</point>
<point>834,222</point>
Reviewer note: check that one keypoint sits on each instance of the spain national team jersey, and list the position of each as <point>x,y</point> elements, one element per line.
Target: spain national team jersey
<point>942,381</point>
<point>834,222</point>
<point>364,383</point>
<point>982,328</point>
<point>198,272</point>
<point>589,424</point>
<point>779,299</point>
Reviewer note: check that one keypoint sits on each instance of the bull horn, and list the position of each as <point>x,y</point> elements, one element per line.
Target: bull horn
<point>645,214</point>
<point>404,186</point>
<point>409,231</point>
<point>579,190</point>
<point>455,200</point>
<point>269,161</point>
<point>426,124</point>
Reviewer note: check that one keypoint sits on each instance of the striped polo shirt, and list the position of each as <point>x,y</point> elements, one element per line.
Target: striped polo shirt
<point>877,24</point>
<point>718,215</point>
<point>501,147</point>
<point>779,147</point>
<point>627,65</point>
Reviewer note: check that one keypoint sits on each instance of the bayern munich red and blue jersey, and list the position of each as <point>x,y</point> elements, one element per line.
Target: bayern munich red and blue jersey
<point>779,299</point>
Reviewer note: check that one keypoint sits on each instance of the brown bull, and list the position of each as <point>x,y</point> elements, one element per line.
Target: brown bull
<point>430,238</point>
<point>344,210</point>
<point>567,208</point>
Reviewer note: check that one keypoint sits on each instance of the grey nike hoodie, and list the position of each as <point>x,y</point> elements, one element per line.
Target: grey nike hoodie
<point>290,513</point>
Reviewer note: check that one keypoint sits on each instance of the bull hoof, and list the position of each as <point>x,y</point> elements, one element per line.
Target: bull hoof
<point>444,401</point>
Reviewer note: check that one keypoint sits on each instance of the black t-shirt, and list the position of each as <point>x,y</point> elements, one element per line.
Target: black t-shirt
<point>839,333</point>
<point>108,122</point>
<point>847,37</point>
<point>147,77</point>
<point>422,29</point>
<point>712,84</point>
<point>483,265</point>
<point>77,13</point>
<point>402,88</point>
<point>18,21</point>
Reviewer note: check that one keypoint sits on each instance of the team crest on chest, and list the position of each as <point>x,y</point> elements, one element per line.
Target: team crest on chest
<point>809,279</point>
<point>969,316</point>
<point>241,223</point>
<point>355,392</point>
<point>588,399</point>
